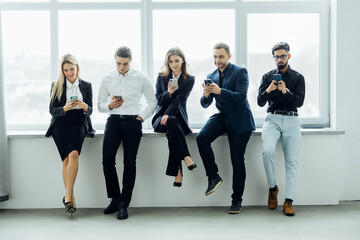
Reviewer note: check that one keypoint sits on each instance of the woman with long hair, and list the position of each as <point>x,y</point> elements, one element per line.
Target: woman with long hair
<point>173,87</point>
<point>70,107</point>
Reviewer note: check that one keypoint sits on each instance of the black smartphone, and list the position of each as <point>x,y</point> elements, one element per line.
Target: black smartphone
<point>118,97</point>
<point>207,82</point>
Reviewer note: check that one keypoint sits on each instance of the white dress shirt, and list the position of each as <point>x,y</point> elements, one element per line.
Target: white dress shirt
<point>72,89</point>
<point>131,87</point>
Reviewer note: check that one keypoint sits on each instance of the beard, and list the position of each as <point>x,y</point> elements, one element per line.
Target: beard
<point>280,67</point>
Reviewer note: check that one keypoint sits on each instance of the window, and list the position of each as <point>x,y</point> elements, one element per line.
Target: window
<point>26,59</point>
<point>91,30</point>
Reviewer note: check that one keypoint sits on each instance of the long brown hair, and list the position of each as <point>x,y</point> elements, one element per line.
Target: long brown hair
<point>166,67</point>
<point>59,84</point>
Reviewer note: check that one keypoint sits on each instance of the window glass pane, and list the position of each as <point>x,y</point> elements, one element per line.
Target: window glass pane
<point>283,0</point>
<point>27,1</point>
<point>26,48</point>
<point>92,37</point>
<point>195,32</point>
<point>301,32</point>
<point>193,1</point>
<point>98,1</point>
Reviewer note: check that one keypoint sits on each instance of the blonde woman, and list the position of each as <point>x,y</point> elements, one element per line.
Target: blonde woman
<point>173,87</point>
<point>70,107</point>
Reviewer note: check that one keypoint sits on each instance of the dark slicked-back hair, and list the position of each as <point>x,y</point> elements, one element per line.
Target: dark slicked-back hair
<point>123,52</point>
<point>280,45</point>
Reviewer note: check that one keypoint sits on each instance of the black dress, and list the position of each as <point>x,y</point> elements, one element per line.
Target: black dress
<point>70,128</point>
<point>69,133</point>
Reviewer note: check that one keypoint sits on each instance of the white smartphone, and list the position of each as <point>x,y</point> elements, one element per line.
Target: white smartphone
<point>173,82</point>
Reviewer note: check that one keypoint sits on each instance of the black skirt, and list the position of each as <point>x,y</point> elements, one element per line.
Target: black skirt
<point>69,133</point>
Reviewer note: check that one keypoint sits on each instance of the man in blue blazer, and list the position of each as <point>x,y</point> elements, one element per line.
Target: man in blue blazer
<point>229,88</point>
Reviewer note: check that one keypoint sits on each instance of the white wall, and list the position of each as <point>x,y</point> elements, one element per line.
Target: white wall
<point>347,90</point>
<point>36,182</point>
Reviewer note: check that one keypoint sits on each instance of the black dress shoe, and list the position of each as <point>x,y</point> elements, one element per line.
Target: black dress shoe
<point>177,184</point>
<point>192,166</point>
<point>113,206</point>
<point>122,213</point>
<point>213,184</point>
<point>235,208</point>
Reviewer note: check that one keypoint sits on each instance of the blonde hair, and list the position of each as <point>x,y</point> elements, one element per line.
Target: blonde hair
<point>59,84</point>
<point>166,68</point>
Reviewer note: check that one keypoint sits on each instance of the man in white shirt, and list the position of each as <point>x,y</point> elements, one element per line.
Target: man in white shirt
<point>120,95</point>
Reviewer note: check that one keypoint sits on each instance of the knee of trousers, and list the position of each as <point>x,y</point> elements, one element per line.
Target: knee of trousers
<point>108,163</point>
<point>201,139</point>
<point>171,120</point>
<point>268,151</point>
<point>268,154</point>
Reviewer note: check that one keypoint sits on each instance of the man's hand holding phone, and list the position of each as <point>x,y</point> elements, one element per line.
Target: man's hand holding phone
<point>211,87</point>
<point>116,102</point>
<point>274,83</point>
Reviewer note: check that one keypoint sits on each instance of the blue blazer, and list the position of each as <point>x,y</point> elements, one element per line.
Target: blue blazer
<point>56,106</point>
<point>232,102</point>
<point>174,104</point>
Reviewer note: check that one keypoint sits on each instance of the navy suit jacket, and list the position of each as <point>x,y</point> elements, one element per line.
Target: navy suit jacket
<point>174,104</point>
<point>232,102</point>
<point>56,108</point>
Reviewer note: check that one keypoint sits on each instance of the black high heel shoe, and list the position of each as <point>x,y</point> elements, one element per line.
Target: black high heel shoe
<point>177,184</point>
<point>69,207</point>
<point>192,166</point>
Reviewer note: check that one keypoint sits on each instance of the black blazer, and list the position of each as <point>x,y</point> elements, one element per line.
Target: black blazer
<point>174,104</point>
<point>233,98</point>
<point>56,108</point>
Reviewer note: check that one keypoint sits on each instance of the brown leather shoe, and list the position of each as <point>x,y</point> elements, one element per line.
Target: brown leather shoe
<point>288,209</point>
<point>272,200</point>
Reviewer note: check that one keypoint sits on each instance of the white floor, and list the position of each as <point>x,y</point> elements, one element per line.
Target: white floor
<point>205,223</point>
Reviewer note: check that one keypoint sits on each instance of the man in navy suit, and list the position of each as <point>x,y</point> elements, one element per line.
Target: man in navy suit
<point>229,88</point>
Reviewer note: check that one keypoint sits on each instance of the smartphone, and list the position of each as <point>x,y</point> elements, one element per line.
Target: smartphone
<point>277,77</point>
<point>173,82</point>
<point>73,98</point>
<point>118,97</point>
<point>207,82</point>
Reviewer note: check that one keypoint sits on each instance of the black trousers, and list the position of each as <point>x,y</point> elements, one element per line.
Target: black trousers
<point>215,127</point>
<point>178,149</point>
<point>128,131</point>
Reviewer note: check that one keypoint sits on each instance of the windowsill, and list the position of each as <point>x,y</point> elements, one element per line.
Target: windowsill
<point>151,133</point>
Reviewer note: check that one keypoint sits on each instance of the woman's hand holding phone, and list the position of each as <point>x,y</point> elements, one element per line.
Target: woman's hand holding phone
<point>172,88</point>
<point>70,105</point>
<point>81,105</point>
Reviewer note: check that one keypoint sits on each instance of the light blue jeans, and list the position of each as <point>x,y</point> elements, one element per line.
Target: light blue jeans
<point>288,128</point>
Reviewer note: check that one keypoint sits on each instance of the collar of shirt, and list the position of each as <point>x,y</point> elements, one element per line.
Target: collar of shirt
<point>173,76</point>
<point>288,72</point>
<point>126,74</point>
<point>70,85</point>
<point>225,70</point>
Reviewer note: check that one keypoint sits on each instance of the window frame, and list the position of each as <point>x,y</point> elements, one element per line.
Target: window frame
<point>146,7</point>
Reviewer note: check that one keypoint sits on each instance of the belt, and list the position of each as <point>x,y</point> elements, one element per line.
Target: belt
<point>123,116</point>
<point>286,113</point>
